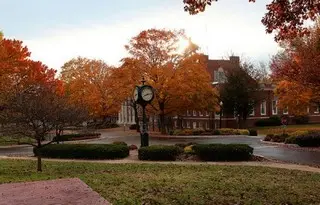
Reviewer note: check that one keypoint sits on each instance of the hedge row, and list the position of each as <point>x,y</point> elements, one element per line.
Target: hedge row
<point>223,152</point>
<point>223,131</point>
<point>206,152</point>
<point>83,151</point>
<point>272,121</point>
<point>302,138</point>
<point>72,137</point>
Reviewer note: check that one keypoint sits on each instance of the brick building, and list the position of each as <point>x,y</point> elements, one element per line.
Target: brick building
<point>207,120</point>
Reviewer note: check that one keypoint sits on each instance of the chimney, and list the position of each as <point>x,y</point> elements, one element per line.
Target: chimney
<point>235,60</point>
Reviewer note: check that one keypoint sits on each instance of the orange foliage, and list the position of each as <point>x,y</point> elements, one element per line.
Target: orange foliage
<point>294,97</point>
<point>299,65</point>
<point>18,73</point>
<point>90,83</point>
<point>180,80</point>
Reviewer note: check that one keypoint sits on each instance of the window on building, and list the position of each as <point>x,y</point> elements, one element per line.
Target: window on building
<point>200,113</point>
<point>274,107</point>
<point>194,125</point>
<point>316,110</point>
<point>175,123</point>
<point>188,124</point>
<point>285,111</point>
<point>263,108</point>
<point>252,112</point>
<point>219,76</point>
<point>188,112</point>
<point>308,109</point>
<point>207,125</point>
<point>207,113</point>
<point>194,113</point>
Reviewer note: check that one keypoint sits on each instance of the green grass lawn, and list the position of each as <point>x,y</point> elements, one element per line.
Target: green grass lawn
<point>4,140</point>
<point>289,128</point>
<point>177,184</point>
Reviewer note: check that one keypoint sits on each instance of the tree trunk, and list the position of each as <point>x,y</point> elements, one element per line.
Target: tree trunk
<point>39,167</point>
<point>162,123</point>
<point>162,119</point>
<point>39,164</point>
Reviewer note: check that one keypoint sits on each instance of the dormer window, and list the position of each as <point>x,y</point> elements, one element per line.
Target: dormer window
<point>219,76</point>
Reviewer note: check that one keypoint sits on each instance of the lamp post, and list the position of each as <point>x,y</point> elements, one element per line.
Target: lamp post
<point>221,110</point>
<point>143,95</point>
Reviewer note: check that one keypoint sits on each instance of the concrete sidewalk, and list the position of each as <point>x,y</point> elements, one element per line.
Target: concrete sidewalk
<point>133,160</point>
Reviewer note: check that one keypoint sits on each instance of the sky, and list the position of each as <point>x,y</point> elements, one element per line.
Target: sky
<point>57,31</point>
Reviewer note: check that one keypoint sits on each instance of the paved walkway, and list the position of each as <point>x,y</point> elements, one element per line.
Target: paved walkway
<point>136,161</point>
<point>61,191</point>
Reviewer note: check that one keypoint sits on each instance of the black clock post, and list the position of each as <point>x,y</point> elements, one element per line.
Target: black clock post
<point>143,95</point>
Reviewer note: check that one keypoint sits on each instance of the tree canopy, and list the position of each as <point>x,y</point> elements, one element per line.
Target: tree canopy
<point>296,71</point>
<point>179,78</point>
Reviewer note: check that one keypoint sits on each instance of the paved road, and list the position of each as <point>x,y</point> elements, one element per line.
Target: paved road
<point>269,151</point>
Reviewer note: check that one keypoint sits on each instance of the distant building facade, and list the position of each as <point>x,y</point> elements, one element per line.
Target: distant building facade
<point>202,119</point>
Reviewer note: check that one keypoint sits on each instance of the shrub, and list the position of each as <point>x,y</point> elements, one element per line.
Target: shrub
<point>83,151</point>
<point>253,132</point>
<point>120,143</point>
<point>188,149</point>
<point>228,131</point>
<point>311,139</point>
<point>301,119</point>
<point>223,152</point>
<point>181,145</point>
<point>197,132</point>
<point>133,147</point>
<point>298,133</point>
<point>243,132</point>
<point>268,137</point>
<point>72,137</point>
<point>276,137</point>
<point>133,127</point>
<point>291,140</point>
<point>272,121</point>
<point>159,152</point>
<point>216,132</point>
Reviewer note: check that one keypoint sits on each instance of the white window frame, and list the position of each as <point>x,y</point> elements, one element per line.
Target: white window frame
<point>200,113</point>
<point>194,125</point>
<point>188,112</point>
<point>252,113</point>
<point>285,111</point>
<point>276,107</point>
<point>188,124</point>
<point>308,109</point>
<point>194,113</point>
<point>207,113</point>
<point>263,105</point>
<point>316,111</point>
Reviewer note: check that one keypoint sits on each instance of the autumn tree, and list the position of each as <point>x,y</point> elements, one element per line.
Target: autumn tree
<point>240,92</point>
<point>30,106</point>
<point>179,78</point>
<point>89,83</point>
<point>286,17</point>
<point>296,71</point>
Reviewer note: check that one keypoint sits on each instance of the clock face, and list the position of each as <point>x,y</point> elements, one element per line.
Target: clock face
<point>136,94</point>
<point>147,94</point>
